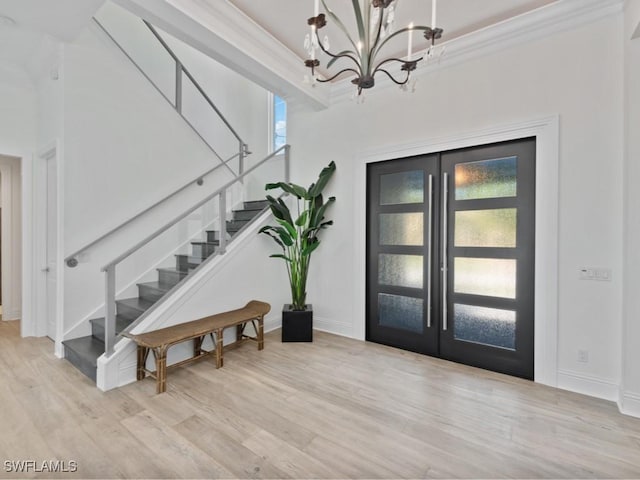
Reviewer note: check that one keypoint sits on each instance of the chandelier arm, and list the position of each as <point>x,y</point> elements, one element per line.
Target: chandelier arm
<point>375,44</point>
<point>335,18</point>
<point>391,76</point>
<point>336,56</point>
<point>338,74</point>
<point>395,60</point>
<point>402,30</point>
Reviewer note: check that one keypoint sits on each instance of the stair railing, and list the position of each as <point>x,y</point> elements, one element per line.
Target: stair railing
<point>110,268</point>
<point>243,150</point>
<point>176,103</point>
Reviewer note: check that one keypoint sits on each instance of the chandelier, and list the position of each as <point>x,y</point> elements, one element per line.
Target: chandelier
<point>375,21</point>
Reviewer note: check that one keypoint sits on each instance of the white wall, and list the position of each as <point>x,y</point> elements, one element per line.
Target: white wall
<point>573,74</point>
<point>243,274</point>
<point>17,134</point>
<point>630,391</point>
<point>125,147</point>
<point>10,192</point>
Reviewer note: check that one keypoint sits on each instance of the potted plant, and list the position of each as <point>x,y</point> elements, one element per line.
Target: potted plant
<point>297,235</point>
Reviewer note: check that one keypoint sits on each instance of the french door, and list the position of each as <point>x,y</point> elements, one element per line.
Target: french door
<point>450,255</point>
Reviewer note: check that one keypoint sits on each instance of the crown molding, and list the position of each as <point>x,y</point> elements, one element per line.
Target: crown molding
<point>226,34</point>
<point>548,20</point>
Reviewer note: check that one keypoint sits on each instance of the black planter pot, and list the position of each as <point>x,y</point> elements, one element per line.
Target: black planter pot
<point>297,325</point>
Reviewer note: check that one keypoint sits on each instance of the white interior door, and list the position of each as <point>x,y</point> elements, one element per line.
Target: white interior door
<point>50,267</point>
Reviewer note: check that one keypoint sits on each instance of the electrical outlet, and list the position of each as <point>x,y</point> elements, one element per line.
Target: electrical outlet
<point>583,356</point>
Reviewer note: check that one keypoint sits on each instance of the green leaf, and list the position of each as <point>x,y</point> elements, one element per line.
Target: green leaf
<point>318,214</point>
<point>310,248</point>
<point>323,179</point>
<point>302,219</point>
<point>267,231</point>
<point>290,229</point>
<point>285,237</point>
<point>278,255</point>
<point>291,188</point>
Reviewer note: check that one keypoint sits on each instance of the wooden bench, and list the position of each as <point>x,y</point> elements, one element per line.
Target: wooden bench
<point>159,341</point>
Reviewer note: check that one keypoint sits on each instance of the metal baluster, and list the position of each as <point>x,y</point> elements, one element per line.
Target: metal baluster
<point>178,86</point>
<point>222,203</point>
<point>110,310</point>
<point>241,159</point>
<point>287,163</point>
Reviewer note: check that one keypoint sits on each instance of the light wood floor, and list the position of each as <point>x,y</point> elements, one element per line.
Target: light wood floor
<point>337,408</point>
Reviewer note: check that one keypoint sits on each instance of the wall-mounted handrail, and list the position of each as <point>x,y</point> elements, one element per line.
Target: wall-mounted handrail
<point>181,67</point>
<point>110,268</point>
<point>189,211</point>
<point>244,148</point>
<point>72,261</point>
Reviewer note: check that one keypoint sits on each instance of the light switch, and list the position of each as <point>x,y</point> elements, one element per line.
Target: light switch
<point>599,274</point>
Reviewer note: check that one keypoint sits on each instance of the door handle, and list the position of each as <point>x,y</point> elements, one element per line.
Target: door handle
<point>445,195</point>
<point>429,248</point>
<point>46,269</point>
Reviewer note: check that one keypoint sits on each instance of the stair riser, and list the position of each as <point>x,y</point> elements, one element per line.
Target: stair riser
<point>256,205</point>
<point>151,294</point>
<point>97,328</point>
<point>184,263</point>
<point>80,363</point>
<point>213,236</point>
<point>128,312</point>
<point>202,250</point>
<point>97,331</point>
<point>170,279</point>
<point>245,214</point>
<point>235,227</point>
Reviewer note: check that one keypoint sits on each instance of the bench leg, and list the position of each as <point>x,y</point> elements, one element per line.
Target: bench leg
<point>239,330</point>
<point>219,347</point>
<point>142,360</point>
<point>260,333</point>
<point>161,369</point>
<point>197,346</point>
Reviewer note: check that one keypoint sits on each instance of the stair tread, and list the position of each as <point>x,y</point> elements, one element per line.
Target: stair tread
<point>121,324</point>
<point>195,257</point>
<point>136,303</point>
<point>88,348</point>
<point>172,270</point>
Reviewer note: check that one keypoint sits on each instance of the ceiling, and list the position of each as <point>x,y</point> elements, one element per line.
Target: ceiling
<point>32,21</point>
<point>286,19</point>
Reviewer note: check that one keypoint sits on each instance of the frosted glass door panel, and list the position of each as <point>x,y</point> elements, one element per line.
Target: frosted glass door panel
<point>493,277</point>
<point>400,270</point>
<point>402,229</point>
<point>489,326</point>
<point>486,228</point>
<point>396,311</point>
<point>402,187</point>
<point>486,179</point>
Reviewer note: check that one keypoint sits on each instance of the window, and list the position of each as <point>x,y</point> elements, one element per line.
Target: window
<point>279,125</point>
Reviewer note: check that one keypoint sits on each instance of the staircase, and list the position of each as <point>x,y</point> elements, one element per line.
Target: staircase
<point>83,352</point>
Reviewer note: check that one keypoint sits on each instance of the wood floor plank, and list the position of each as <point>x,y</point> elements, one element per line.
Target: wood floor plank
<point>334,408</point>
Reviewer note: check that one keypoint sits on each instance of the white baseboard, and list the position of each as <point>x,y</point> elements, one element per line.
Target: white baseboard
<point>10,315</point>
<point>629,404</point>
<point>344,329</point>
<point>588,385</point>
